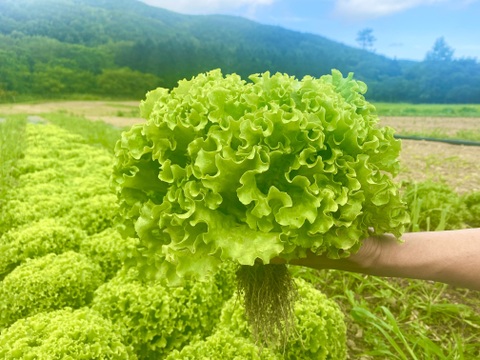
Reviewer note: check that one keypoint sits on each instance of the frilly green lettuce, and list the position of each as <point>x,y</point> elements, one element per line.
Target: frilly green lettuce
<point>320,333</point>
<point>155,319</point>
<point>48,283</point>
<point>229,170</point>
<point>64,334</point>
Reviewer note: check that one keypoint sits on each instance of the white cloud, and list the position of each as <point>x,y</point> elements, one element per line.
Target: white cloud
<point>377,8</point>
<point>208,6</point>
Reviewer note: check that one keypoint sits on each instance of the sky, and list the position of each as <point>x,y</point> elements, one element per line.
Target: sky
<point>403,29</point>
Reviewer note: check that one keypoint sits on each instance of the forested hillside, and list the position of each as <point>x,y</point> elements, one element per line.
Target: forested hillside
<point>122,48</point>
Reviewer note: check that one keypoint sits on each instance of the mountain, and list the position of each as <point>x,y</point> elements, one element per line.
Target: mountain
<point>125,47</point>
<point>158,37</point>
<point>89,22</point>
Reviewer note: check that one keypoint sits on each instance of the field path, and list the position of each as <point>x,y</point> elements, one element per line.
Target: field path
<point>119,113</point>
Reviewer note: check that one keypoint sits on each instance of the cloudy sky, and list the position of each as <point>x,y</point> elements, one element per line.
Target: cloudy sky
<point>404,29</point>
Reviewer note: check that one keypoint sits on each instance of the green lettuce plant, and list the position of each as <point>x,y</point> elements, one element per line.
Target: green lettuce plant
<point>320,332</point>
<point>224,170</point>
<point>156,319</point>
<point>48,283</point>
<point>108,249</point>
<point>36,240</point>
<point>229,170</point>
<point>223,345</point>
<point>93,214</point>
<point>75,189</point>
<point>64,334</point>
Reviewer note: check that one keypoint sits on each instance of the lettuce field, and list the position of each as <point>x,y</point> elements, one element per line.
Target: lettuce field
<point>69,287</point>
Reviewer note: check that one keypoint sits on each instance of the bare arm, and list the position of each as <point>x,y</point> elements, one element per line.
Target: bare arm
<point>451,257</point>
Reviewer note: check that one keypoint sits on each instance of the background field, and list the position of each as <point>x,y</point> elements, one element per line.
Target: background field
<point>386,318</point>
<point>457,166</point>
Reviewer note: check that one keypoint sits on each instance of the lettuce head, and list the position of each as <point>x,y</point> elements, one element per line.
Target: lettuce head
<point>225,169</point>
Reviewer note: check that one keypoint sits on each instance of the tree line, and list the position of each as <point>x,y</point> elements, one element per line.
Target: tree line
<point>47,68</point>
<point>125,48</point>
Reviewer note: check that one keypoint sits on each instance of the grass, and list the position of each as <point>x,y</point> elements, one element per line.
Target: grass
<point>402,319</point>
<point>94,132</point>
<point>472,135</point>
<point>12,143</point>
<point>415,113</point>
<point>386,318</point>
<point>125,110</point>
<point>465,135</point>
<point>430,110</point>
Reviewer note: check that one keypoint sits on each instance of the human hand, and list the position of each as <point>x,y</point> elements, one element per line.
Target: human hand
<point>451,256</point>
<point>373,250</point>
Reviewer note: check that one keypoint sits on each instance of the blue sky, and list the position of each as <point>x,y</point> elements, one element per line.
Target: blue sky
<point>404,29</point>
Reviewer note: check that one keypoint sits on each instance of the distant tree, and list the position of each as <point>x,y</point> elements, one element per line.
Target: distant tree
<point>50,79</point>
<point>366,39</point>
<point>440,51</point>
<point>126,82</point>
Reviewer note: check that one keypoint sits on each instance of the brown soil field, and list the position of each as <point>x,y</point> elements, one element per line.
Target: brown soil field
<point>456,165</point>
<point>444,125</point>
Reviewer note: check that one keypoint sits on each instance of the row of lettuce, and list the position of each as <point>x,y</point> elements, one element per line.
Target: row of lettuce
<point>69,287</point>
<point>64,289</point>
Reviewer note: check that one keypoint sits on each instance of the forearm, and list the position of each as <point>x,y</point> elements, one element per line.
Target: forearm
<point>451,257</point>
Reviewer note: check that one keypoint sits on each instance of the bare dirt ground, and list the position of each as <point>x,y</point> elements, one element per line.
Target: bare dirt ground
<point>444,125</point>
<point>457,165</point>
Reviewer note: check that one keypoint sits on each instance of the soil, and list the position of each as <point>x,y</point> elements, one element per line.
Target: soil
<point>442,125</point>
<point>456,165</point>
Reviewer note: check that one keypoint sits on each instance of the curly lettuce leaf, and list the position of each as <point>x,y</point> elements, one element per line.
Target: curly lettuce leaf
<point>229,170</point>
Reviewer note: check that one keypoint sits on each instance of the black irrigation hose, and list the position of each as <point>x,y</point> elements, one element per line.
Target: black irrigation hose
<point>448,141</point>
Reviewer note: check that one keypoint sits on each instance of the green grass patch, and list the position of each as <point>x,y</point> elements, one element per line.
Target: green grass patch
<point>402,319</point>
<point>473,135</point>
<point>12,136</point>
<point>12,145</point>
<point>128,113</point>
<point>94,132</point>
<point>431,110</point>
<point>466,135</point>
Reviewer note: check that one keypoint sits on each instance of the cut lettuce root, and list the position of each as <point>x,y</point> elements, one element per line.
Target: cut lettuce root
<point>269,294</point>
